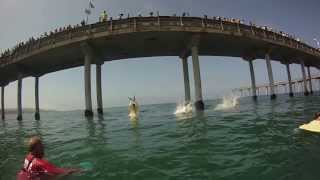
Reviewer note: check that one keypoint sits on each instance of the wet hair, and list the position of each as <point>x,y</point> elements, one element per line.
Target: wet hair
<point>33,142</point>
<point>316,115</point>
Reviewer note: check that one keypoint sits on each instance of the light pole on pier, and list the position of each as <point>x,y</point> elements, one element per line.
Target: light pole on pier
<point>88,10</point>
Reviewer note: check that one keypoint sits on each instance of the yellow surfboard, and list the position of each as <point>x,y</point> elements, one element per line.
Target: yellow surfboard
<point>313,126</point>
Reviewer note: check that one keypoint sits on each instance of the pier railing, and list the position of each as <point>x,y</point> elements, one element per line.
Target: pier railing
<point>136,24</point>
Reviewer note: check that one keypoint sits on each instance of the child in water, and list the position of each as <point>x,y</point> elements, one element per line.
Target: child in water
<point>37,168</point>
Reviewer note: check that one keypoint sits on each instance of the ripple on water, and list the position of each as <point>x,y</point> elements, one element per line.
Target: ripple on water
<point>253,140</point>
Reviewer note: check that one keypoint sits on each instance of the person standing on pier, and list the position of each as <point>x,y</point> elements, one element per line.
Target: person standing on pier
<point>103,16</point>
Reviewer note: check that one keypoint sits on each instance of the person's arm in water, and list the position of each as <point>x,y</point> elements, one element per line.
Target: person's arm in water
<point>50,169</point>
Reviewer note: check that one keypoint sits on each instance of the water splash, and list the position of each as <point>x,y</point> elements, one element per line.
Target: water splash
<point>184,109</point>
<point>228,102</point>
<point>296,130</point>
<point>133,110</point>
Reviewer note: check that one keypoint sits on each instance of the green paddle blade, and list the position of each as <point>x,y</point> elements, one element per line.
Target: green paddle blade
<point>87,166</point>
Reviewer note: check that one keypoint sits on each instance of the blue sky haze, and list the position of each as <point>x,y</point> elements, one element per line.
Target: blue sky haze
<point>156,79</point>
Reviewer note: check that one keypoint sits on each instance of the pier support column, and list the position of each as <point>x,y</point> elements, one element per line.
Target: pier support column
<point>36,95</point>
<point>197,79</point>
<point>2,103</point>
<point>253,80</point>
<point>19,101</point>
<point>270,74</point>
<point>186,80</point>
<point>99,89</point>
<point>303,71</point>
<point>289,80</point>
<point>87,85</point>
<point>310,80</point>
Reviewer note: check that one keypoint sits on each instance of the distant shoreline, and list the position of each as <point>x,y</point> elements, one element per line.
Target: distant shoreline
<point>26,110</point>
<point>32,110</point>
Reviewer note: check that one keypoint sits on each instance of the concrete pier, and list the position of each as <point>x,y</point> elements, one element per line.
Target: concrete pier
<point>310,80</point>
<point>87,85</point>
<point>197,79</point>
<point>19,101</point>
<point>36,95</point>
<point>270,74</point>
<point>139,37</point>
<point>253,80</point>
<point>289,80</point>
<point>2,103</point>
<point>99,89</point>
<point>303,71</point>
<point>187,98</point>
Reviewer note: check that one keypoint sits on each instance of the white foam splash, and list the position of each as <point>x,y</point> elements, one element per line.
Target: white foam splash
<point>183,109</point>
<point>228,102</point>
<point>133,110</point>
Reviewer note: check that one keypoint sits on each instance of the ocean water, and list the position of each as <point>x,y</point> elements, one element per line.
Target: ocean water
<point>251,140</point>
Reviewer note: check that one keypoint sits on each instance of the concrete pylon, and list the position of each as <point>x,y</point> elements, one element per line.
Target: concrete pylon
<point>197,79</point>
<point>99,89</point>
<point>270,74</point>
<point>187,96</point>
<point>36,95</point>
<point>303,71</point>
<point>87,85</point>
<point>19,96</point>
<point>89,58</point>
<point>253,79</point>
<point>289,80</point>
<point>310,80</point>
<point>2,103</point>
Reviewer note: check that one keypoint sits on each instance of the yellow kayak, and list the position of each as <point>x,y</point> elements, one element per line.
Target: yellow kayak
<point>313,126</point>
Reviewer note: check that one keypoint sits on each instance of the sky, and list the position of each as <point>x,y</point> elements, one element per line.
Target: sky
<point>156,79</point>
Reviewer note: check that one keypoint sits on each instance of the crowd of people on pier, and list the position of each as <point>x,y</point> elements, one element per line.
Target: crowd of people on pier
<point>32,41</point>
<point>104,17</point>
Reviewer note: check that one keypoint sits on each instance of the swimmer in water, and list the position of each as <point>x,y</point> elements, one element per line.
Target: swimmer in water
<point>314,125</point>
<point>37,168</point>
<point>316,117</point>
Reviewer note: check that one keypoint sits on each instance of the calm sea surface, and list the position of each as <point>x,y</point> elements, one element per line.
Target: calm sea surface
<point>254,140</point>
